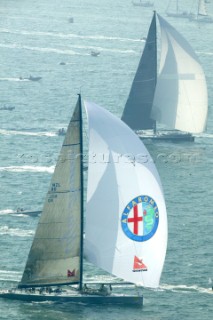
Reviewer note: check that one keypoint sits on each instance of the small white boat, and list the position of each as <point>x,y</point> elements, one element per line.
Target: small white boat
<point>61,132</point>
<point>34,213</point>
<point>71,20</point>
<point>95,53</point>
<point>31,78</point>
<point>7,108</point>
<point>141,3</point>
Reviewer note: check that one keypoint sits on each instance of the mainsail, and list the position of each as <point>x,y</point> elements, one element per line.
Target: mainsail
<point>55,254</point>
<point>180,99</point>
<point>139,103</point>
<point>126,221</point>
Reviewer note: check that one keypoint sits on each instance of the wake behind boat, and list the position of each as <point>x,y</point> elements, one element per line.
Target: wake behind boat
<point>127,237</point>
<point>176,97</point>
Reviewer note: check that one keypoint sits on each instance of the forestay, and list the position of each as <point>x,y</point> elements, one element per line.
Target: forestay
<point>126,221</point>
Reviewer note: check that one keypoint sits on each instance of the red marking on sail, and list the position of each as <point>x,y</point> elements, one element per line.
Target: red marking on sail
<point>136,219</point>
<point>139,265</point>
<point>71,273</point>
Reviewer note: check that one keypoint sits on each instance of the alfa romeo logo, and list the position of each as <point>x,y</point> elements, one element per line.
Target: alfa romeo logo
<point>140,218</point>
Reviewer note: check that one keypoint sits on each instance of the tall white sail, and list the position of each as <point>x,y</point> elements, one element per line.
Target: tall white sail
<point>180,100</point>
<point>126,221</point>
<point>202,8</point>
<point>54,257</point>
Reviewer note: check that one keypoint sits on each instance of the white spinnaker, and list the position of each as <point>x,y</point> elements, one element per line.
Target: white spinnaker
<point>120,170</point>
<point>181,99</point>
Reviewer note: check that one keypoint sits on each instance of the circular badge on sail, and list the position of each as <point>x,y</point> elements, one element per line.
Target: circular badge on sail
<point>140,218</point>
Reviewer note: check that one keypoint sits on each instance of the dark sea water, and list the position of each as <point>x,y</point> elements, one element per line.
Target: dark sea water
<point>35,37</point>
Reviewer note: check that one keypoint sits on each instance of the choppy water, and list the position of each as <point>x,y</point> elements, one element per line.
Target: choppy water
<point>35,37</point>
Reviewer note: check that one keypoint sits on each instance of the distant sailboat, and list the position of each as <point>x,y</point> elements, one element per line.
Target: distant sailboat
<point>177,97</point>
<point>177,13</point>
<point>141,3</point>
<point>126,221</point>
<point>201,15</point>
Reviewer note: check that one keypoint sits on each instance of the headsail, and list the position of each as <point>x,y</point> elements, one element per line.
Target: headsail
<point>139,103</point>
<point>54,257</point>
<point>126,221</point>
<point>180,100</point>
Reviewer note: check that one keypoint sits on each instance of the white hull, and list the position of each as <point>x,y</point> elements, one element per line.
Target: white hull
<point>28,213</point>
<point>175,136</point>
<point>178,14</point>
<point>147,4</point>
<point>204,19</point>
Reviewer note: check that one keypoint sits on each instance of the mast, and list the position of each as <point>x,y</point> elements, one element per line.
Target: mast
<point>168,6</point>
<point>82,194</point>
<point>198,9</point>
<point>156,63</point>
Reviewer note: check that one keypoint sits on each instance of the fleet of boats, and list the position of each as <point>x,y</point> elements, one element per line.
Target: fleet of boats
<point>128,237</point>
